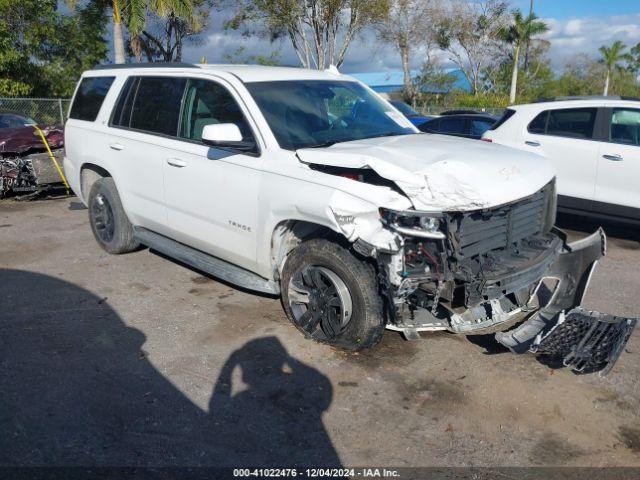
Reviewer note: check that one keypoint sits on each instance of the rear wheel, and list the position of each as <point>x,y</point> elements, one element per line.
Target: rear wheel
<point>332,296</point>
<point>109,223</point>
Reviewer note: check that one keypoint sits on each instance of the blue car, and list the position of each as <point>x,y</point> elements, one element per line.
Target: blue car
<point>416,118</point>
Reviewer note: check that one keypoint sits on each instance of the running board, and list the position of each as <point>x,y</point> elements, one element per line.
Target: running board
<point>207,263</point>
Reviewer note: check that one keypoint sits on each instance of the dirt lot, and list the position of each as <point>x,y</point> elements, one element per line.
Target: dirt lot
<point>135,360</point>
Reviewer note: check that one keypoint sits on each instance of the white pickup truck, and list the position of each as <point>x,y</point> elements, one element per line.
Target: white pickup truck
<point>308,185</point>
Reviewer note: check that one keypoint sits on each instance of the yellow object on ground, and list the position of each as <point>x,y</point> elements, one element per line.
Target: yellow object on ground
<point>53,159</point>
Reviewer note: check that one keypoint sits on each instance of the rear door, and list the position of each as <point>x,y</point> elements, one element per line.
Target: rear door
<point>566,137</point>
<point>145,121</point>
<point>618,181</point>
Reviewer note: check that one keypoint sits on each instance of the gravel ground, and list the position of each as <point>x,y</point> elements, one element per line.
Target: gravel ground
<point>136,360</point>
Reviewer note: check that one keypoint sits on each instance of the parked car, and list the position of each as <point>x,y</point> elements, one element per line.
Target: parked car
<point>22,167</point>
<point>271,179</point>
<point>594,145</point>
<point>17,135</point>
<point>415,117</point>
<point>460,112</point>
<point>460,125</point>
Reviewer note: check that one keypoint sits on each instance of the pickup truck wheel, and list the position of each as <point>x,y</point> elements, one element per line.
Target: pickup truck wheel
<point>109,223</point>
<point>331,296</point>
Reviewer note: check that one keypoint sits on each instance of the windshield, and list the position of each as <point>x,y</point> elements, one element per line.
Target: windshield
<point>11,120</point>
<point>405,109</point>
<point>317,113</point>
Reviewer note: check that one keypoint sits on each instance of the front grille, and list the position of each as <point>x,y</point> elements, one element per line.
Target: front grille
<point>486,230</point>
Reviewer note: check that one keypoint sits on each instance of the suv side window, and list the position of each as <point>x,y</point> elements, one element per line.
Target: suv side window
<point>566,122</point>
<point>89,97</point>
<point>625,126</point>
<point>539,124</point>
<point>431,126</point>
<point>479,126</point>
<point>506,115</point>
<point>121,116</point>
<point>156,108</point>
<point>453,125</point>
<point>206,103</point>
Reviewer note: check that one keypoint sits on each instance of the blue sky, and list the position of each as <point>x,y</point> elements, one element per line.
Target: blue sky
<point>566,9</point>
<point>576,27</point>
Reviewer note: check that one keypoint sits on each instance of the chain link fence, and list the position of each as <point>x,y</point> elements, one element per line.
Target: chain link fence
<point>46,111</point>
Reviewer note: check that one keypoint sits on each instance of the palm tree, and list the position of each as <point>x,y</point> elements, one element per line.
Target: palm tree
<point>520,33</point>
<point>611,57</point>
<point>133,14</point>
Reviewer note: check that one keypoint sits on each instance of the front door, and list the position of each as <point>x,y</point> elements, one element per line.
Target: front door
<point>618,182</point>
<point>212,194</point>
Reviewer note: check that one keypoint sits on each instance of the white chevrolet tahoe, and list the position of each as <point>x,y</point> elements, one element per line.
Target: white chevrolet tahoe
<point>308,185</point>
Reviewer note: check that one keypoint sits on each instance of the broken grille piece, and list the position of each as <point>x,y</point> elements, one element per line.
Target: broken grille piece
<point>584,341</point>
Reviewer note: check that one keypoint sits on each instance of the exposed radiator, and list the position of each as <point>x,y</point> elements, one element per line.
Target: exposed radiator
<point>482,231</point>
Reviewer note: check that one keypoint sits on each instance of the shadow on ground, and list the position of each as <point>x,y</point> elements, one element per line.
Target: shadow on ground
<point>77,389</point>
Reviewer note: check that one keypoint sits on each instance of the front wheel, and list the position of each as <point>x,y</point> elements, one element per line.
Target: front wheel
<point>109,223</point>
<point>332,296</point>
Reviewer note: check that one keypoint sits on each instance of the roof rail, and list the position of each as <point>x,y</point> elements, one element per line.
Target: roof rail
<point>586,97</point>
<point>117,66</point>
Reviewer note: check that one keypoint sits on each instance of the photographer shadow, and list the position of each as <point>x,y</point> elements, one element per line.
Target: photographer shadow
<point>77,389</point>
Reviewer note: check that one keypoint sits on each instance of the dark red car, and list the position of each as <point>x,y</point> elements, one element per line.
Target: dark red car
<point>18,137</point>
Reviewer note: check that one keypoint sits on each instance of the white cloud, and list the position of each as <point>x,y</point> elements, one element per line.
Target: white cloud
<point>568,38</point>
<point>573,27</point>
<point>585,35</point>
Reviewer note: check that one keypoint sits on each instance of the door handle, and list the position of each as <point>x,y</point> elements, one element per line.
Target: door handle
<point>116,146</point>
<point>533,143</point>
<point>176,162</point>
<point>613,158</point>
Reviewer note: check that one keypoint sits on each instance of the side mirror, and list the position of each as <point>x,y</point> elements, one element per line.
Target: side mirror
<point>225,135</point>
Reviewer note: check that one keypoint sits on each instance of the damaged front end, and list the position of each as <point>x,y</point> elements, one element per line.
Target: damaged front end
<point>505,270</point>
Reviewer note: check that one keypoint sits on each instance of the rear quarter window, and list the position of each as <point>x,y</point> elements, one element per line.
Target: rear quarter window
<point>89,97</point>
<point>507,114</point>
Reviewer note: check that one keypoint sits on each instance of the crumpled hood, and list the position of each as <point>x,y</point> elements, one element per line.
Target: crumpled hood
<point>438,172</point>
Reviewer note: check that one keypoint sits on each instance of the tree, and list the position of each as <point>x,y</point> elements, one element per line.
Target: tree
<point>43,51</point>
<point>132,14</point>
<point>470,32</point>
<point>168,25</point>
<point>633,62</point>
<point>239,56</point>
<point>320,31</point>
<point>611,58</point>
<point>520,33</point>
<point>410,25</point>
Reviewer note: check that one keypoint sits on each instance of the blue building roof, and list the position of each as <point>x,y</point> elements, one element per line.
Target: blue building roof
<point>393,81</point>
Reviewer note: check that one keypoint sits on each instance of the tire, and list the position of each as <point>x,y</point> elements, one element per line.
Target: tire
<point>109,224</point>
<point>331,296</point>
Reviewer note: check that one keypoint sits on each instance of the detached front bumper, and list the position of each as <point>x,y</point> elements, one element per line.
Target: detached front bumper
<point>563,334</point>
<point>541,295</point>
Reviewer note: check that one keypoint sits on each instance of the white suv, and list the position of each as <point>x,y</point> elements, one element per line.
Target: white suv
<point>308,185</point>
<point>594,145</point>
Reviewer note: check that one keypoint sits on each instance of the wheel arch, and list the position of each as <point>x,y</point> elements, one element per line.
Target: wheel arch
<point>89,174</point>
<point>288,234</point>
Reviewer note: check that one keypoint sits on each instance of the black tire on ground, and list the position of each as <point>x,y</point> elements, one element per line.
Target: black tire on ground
<point>366,323</point>
<point>109,223</point>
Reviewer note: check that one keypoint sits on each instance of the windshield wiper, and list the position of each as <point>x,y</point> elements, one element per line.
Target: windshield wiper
<point>328,143</point>
<point>386,134</point>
